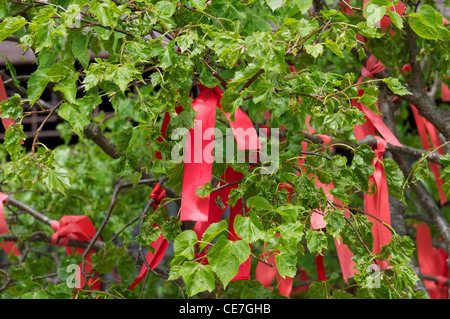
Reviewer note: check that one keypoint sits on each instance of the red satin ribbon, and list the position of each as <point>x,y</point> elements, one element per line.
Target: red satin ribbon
<point>7,246</point>
<point>160,245</point>
<point>198,162</point>
<point>425,130</point>
<point>433,262</point>
<point>377,204</point>
<point>76,228</point>
<point>198,166</point>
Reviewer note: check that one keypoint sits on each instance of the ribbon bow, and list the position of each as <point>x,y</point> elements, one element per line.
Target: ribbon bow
<point>159,246</point>
<point>158,194</point>
<point>7,246</point>
<point>76,228</point>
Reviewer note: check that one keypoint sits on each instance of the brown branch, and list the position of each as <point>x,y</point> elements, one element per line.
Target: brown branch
<point>95,134</point>
<point>30,210</point>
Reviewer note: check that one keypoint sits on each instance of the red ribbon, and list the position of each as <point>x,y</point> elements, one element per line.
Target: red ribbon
<point>377,204</point>
<point>425,130</point>
<point>198,160</point>
<point>198,165</point>
<point>433,262</point>
<point>76,228</point>
<point>160,245</point>
<point>7,246</point>
<point>374,121</point>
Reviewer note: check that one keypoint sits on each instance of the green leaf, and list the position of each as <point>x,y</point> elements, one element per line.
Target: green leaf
<point>127,270</point>
<point>13,137</point>
<point>314,49</point>
<point>396,19</point>
<point>231,101</point>
<point>275,4</point>
<point>10,25</point>
<point>205,190</point>
<point>316,241</point>
<point>212,232</point>
<point>226,256</point>
<point>36,85</point>
<point>57,179</point>
<point>289,213</point>
<point>318,290</point>
<point>396,87</point>
<point>106,258</point>
<point>79,114</point>
<point>12,108</point>
<point>184,244</point>
<point>427,23</point>
<point>303,5</point>
<point>373,12</point>
<point>80,49</point>
<point>286,264</point>
<point>198,277</point>
<point>394,178</point>
<point>248,228</point>
<point>199,4</point>
<point>258,202</point>
<point>335,220</point>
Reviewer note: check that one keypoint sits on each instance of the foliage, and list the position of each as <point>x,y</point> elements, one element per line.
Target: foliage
<point>155,54</point>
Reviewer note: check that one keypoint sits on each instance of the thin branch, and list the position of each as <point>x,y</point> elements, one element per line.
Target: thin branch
<point>30,210</point>
<point>112,203</point>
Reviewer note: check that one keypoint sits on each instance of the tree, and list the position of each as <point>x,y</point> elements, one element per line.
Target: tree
<point>326,203</point>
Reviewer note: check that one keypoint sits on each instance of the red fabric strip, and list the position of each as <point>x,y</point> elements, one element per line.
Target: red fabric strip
<point>8,246</point>
<point>377,204</point>
<point>321,275</point>
<point>374,122</point>
<point>198,165</point>
<point>433,262</point>
<point>425,130</point>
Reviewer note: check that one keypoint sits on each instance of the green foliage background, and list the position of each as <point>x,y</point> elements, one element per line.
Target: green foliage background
<point>156,53</point>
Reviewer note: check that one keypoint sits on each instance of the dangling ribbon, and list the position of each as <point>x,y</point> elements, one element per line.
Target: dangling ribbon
<point>159,246</point>
<point>374,121</point>
<point>7,246</point>
<point>432,262</point>
<point>428,132</point>
<point>199,159</point>
<point>76,228</point>
<point>377,204</point>
<point>425,130</point>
